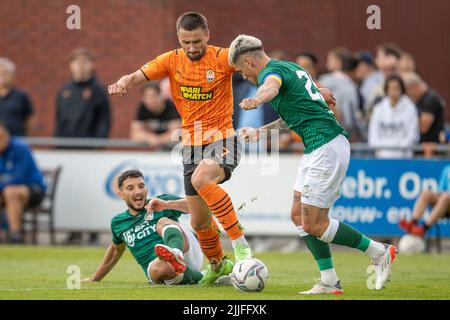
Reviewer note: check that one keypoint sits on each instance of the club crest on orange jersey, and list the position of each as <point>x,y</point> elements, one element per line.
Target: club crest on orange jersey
<point>210,75</point>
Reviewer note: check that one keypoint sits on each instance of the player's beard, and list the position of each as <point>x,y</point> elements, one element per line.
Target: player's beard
<point>197,56</point>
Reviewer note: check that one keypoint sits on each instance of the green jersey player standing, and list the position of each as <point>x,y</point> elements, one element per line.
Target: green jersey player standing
<point>323,167</point>
<point>166,251</point>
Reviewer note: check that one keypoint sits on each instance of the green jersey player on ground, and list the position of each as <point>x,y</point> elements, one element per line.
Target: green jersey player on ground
<point>323,166</point>
<point>152,234</point>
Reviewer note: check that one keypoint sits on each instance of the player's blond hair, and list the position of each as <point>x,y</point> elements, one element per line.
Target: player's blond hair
<point>243,43</point>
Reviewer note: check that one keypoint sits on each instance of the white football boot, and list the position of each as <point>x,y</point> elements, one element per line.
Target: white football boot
<point>383,266</point>
<point>320,288</point>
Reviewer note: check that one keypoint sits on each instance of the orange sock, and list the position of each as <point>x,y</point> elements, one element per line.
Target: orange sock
<point>220,204</point>
<point>209,240</point>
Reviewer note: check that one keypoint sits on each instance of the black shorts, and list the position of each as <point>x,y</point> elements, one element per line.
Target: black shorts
<point>227,153</point>
<point>37,194</point>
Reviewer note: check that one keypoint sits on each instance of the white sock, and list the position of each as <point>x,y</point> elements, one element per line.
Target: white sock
<point>301,232</point>
<point>175,280</point>
<point>329,277</point>
<point>331,230</point>
<point>241,240</point>
<point>375,249</point>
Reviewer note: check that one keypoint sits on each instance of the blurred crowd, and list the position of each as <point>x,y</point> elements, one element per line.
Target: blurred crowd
<point>381,100</point>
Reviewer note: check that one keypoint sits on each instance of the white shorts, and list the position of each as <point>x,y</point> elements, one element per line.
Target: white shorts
<point>322,172</point>
<point>193,257</point>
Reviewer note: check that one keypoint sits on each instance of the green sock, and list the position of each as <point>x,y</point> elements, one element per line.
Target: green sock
<point>320,250</point>
<point>173,237</point>
<point>350,237</point>
<point>191,277</point>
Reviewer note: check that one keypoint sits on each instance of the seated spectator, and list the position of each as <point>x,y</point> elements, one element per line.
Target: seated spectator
<point>21,183</point>
<point>440,202</point>
<point>430,106</point>
<point>156,118</point>
<point>394,122</point>
<point>15,106</point>
<point>82,108</point>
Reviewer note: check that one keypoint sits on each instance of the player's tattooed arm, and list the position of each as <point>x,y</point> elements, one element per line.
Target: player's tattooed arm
<point>252,135</point>
<point>279,125</point>
<point>266,92</point>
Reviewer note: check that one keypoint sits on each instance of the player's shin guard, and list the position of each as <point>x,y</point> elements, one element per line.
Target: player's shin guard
<point>344,235</point>
<point>322,254</point>
<point>220,204</point>
<point>209,240</point>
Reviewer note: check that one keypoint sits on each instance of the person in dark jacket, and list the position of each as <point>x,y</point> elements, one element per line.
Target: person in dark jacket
<point>82,105</point>
<point>16,109</point>
<point>82,110</point>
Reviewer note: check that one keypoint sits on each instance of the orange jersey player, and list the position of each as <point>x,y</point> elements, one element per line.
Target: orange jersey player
<point>201,90</point>
<point>200,79</point>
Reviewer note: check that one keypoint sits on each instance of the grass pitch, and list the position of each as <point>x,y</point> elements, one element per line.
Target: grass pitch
<point>41,273</point>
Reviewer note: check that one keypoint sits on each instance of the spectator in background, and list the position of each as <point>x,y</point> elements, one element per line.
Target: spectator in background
<point>340,80</point>
<point>366,76</point>
<point>308,61</point>
<point>82,105</point>
<point>387,61</point>
<point>440,201</point>
<point>430,106</point>
<point>15,106</point>
<point>407,63</point>
<point>21,183</point>
<point>82,110</point>
<point>394,122</point>
<point>156,119</point>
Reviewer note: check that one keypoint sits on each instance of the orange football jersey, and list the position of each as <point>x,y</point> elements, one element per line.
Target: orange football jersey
<point>201,91</point>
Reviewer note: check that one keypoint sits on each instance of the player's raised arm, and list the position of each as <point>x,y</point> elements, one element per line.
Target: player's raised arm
<point>126,83</point>
<point>266,92</point>
<point>113,254</point>
<point>159,205</point>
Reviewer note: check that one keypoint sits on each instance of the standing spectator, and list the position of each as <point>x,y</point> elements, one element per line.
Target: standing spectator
<point>367,76</point>
<point>430,106</point>
<point>387,61</point>
<point>15,106</point>
<point>156,119</point>
<point>82,104</point>
<point>407,63</point>
<point>308,61</point>
<point>394,122</point>
<point>341,63</point>
<point>82,110</point>
<point>21,182</point>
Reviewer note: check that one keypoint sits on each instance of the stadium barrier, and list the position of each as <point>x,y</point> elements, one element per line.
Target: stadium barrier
<point>375,194</point>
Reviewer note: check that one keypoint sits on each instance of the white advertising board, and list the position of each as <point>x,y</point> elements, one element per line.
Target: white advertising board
<point>85,198</point>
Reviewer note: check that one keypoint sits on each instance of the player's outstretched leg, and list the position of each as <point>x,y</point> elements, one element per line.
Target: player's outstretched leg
<point>205,180</point>
<point>342,234</point>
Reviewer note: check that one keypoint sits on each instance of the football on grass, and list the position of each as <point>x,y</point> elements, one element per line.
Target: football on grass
<point>249,275</point>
